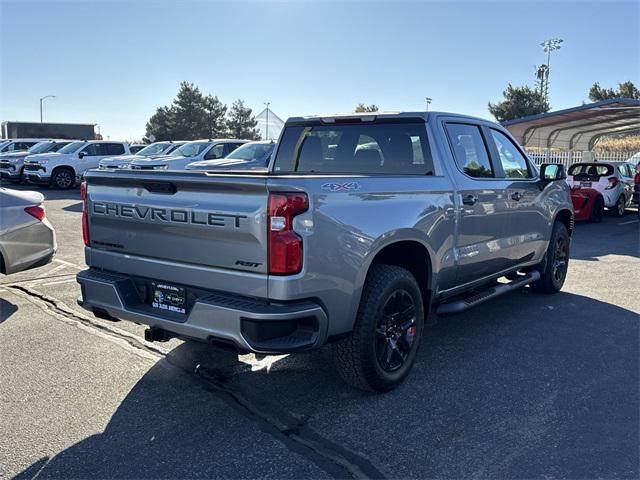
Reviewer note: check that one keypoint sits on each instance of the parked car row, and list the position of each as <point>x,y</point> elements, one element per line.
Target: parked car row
<point>62,163</point>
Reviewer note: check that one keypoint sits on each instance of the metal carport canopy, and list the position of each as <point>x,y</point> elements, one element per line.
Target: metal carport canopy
<point>577,128</point>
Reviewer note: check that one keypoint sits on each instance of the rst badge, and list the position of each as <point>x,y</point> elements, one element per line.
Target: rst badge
<point>340,186</point>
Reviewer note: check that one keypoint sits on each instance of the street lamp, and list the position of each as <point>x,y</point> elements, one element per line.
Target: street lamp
<point>267,129</point>
<point>428,100</point>
<point>549,46</point>
<point>47,96</point>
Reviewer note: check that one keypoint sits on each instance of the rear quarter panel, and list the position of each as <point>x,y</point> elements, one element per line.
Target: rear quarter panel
<point>344,229</point>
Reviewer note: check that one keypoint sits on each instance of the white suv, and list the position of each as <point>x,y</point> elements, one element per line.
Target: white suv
<point>187,153</point>
<point>64,168</point>
<point>614,180</point>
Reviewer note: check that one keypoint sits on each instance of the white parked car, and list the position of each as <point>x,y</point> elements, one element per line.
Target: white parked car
<point>250,156</point>
<point>614,180</point>
<point>64,168</point>
<point>18,144</point>
<point>189,152</point>
<point>153,150</point>
<point>12,164</point>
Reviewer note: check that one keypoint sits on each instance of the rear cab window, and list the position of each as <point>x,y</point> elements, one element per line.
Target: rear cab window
<point>390,148</point>
<point>469,150</point>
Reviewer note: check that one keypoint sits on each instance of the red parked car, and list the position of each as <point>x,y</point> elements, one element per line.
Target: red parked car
<point>588,204</point>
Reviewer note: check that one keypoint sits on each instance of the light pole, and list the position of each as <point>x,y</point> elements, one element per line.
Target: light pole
<point>428,100</point>
<point>46,96</point>
<point>549,46</point>
<point>267,129</point>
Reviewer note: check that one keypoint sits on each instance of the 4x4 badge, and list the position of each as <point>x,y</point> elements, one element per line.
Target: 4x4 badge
<point>342,186</point>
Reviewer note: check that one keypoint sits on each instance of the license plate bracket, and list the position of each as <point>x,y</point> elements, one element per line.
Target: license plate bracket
<point>169,298</point>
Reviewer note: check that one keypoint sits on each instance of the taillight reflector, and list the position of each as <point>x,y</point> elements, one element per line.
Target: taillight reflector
<point>284,245</point>
<point>36,211</point>
<point>85,220</point>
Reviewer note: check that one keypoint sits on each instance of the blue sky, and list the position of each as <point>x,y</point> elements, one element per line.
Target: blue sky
<point>113,62</point>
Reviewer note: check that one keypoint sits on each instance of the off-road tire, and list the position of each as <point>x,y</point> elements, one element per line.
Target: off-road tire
<point>550,281</point>
<point>355,356</point>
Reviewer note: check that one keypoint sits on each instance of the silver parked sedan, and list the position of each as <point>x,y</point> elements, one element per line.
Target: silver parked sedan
<point>27,239</point>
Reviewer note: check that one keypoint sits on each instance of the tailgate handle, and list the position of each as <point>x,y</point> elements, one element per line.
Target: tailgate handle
<point>160,187</point>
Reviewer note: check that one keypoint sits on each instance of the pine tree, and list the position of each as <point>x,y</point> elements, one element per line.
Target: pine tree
<point>190,116</point>
<point>215,112</point>
<point>518,102</point>
<point>625,90</point>
<point>240,122</point>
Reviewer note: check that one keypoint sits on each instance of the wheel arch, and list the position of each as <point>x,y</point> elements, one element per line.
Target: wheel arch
<point>566,217</point>
<point>407,252</point>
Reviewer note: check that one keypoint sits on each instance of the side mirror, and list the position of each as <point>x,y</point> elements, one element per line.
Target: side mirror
<point>551,172</point>
<point>81,155</point>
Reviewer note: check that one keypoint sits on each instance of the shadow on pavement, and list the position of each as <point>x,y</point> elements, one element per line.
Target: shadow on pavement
<point>6,309</point>
<point>75,207</point>
<point>614,236</point>
<point>527,386</point>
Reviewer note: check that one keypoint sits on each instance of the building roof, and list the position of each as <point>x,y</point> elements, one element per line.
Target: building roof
<point>577,128</point>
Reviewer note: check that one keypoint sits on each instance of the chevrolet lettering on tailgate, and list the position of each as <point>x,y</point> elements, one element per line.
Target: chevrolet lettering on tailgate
<point>154,214</point>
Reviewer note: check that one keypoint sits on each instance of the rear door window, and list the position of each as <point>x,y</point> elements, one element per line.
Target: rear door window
<point>113,149</point>
<point>365,148</point>
<point>469,150</point>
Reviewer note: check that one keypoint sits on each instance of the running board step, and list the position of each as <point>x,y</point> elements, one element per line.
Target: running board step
<point>461,305</point>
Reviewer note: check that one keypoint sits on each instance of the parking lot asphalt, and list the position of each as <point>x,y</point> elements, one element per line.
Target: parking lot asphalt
<point>525,386</point>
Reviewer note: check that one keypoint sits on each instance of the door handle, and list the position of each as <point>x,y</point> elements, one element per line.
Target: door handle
<point>469,199</point>
<point>516,196</point>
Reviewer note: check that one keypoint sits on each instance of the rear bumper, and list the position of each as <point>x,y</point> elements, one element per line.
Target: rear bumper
<point>28,247</point>
<point>249,324</point>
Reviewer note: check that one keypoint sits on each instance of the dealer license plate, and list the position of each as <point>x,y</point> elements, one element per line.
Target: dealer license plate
<point>169,298</point>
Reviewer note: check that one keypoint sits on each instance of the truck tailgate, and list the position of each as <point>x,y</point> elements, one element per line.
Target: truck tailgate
<point>215,222</point>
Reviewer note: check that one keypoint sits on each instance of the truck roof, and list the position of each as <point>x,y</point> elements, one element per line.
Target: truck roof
<point>371,116</point>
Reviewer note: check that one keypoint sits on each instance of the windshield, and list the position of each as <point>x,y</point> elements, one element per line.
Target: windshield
<point>73,147</point>
<point>41,147</point>
<point>191,149</point>
<point>153,149</point>
<point>252,151</point>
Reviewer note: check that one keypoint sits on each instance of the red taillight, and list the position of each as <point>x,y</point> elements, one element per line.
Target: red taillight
<point>85,221</point>
<point>285,245</point>
<point>37,212</point>
<point>613,181</point>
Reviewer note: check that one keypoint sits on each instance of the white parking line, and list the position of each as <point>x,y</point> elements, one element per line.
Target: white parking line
<point>68,264</point>
<point>629,222</point>
<point>59,281</point>
<point>52,271</point>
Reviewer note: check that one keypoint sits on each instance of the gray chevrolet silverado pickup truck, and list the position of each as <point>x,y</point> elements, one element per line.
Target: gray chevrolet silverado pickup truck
<point>360,228</point>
